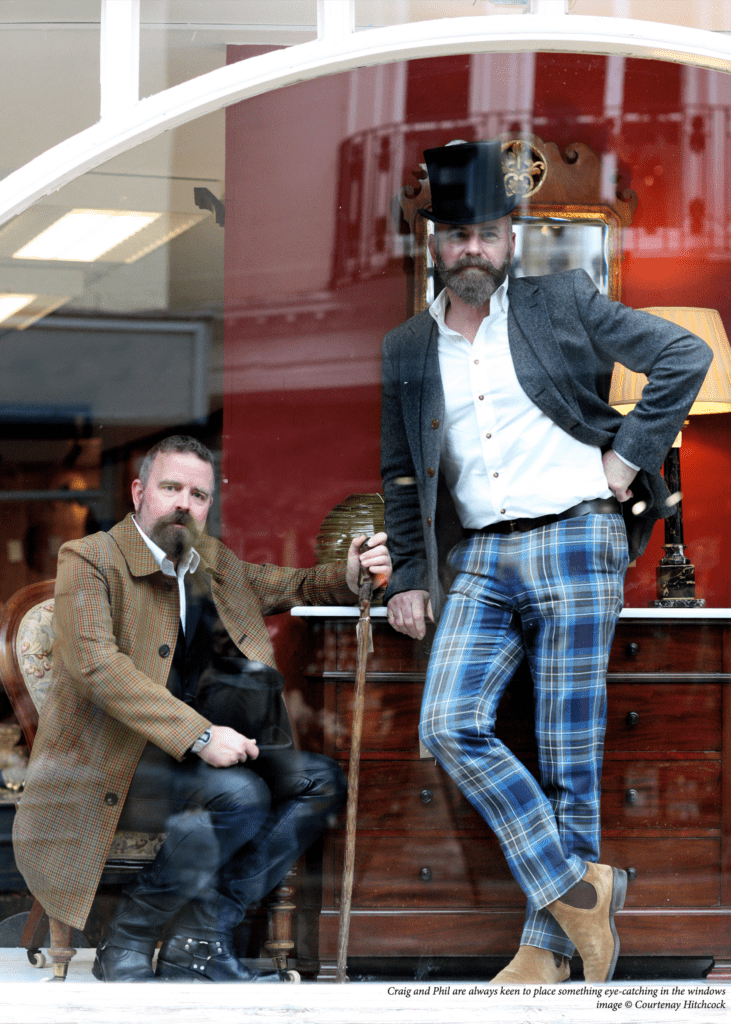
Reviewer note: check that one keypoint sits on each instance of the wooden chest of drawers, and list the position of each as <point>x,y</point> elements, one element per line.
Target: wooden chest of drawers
<point>430,879</point>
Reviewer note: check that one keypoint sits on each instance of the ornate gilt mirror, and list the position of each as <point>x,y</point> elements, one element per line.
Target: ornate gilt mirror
<point>563,221</point>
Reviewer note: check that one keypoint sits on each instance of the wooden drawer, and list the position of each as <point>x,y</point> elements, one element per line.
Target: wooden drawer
<point>660,716</point>
<point>431,871</point>
<point>640,716</point>
<point>635,795</point>
<point>392,651</point>
<point>424,870</point>
<point>412,795</point>
<point>390,717</point>
<point>668,872</point>
<point>393,707</point>
<point>661,794</point>
<point>671,648</point>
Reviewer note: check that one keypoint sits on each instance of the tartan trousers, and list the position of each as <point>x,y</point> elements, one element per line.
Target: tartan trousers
<point>553,596</point>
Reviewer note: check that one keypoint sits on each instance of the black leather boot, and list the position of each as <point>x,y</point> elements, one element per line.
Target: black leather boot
<point>125,951</point>
<point>199,945</point>
<point>183,958</point>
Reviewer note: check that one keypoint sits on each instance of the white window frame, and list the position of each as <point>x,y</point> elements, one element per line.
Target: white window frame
<point>127,121</point>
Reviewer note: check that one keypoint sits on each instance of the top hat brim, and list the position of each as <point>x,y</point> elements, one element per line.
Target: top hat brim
<point>483,217</point>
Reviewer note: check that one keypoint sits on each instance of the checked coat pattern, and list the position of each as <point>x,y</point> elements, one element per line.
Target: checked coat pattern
<point>116,625</point>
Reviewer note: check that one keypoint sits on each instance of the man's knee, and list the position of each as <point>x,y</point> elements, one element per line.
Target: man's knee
<point>435,733</point>
<point>323,778</point>
<point>236,789</point>
<point>315,778</point>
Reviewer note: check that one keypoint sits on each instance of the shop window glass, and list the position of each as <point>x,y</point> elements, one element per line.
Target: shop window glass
<point>181,39</point>
<point>715,17</point>
<point>249,309</point>
<point>44,44</point>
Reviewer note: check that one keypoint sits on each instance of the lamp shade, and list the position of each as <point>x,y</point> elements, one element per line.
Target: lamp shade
<point>715,393</point>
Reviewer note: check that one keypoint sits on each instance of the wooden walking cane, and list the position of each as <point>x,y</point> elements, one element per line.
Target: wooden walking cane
<point>363,635</point>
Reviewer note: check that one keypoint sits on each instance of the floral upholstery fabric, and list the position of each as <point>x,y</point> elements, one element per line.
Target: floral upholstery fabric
<point>34,650</point>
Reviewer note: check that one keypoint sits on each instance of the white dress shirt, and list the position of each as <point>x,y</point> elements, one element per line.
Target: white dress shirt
<point>502,457</point>
<point>187,564</point>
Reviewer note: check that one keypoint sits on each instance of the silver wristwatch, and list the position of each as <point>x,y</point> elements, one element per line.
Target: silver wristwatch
<point>201,742</point>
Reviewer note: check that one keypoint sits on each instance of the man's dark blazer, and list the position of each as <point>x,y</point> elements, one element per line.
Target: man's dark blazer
<point>564,340</point>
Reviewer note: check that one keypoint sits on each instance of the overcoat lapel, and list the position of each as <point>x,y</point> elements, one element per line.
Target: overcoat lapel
<point>537,357</point>
<point>137,555</point>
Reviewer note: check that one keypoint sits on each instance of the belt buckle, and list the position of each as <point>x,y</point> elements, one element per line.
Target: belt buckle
<point>512,527</point>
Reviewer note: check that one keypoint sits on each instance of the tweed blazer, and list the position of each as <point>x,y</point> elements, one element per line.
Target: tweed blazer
<point>564,339</point>
<point>116,625</point>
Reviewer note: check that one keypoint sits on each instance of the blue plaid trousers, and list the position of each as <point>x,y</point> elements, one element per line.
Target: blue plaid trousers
<point>553,596</point>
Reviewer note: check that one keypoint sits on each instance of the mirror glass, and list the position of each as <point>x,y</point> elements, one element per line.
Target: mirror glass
<point>550,242</point>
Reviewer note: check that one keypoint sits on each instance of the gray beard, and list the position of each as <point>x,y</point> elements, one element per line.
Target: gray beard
<point>479,285</point>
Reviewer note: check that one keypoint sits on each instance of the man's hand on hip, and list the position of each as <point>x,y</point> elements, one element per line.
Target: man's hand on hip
<point>619,475</point>
<point>227,747</point>
<point>406,612</point>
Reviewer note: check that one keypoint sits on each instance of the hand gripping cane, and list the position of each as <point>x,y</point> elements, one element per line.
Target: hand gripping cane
<point>363,635</point>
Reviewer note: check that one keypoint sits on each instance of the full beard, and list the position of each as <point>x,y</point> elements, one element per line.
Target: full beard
<point>175,542</point>
<point>473,279</point>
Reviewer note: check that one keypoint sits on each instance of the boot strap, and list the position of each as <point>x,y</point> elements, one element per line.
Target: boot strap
<point>201,951</point>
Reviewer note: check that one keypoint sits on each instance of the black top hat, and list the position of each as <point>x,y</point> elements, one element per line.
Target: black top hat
<point>467,184</point>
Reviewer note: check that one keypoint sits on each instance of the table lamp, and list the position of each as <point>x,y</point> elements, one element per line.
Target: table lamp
<point>676,573</point>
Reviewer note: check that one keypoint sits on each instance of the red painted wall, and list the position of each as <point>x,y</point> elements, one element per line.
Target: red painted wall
<point>313,282</point>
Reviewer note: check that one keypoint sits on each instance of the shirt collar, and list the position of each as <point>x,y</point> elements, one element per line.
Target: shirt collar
<point>498,303</point>
<point>187,564</point>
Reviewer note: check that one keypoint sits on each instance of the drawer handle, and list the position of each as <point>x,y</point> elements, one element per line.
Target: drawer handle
<point>425,874</point>
<point>426,796</point>
<point>633,650</point>
<point>632,797</point>
<point>631,874</point>
<point>632,719</point>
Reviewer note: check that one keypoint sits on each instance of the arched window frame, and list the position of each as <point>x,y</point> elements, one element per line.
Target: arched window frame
<point>127,121</point>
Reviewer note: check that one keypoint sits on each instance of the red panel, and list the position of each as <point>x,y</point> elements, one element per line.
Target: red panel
<point>438,89</point>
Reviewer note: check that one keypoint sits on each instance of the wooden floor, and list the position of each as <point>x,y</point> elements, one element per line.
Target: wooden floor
<point>29,997</point>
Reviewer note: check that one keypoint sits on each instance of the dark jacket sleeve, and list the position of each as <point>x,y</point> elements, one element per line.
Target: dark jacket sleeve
<point>400,488</point>
<point>674,360</point>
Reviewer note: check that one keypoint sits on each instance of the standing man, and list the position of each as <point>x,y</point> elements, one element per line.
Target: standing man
<point>159,640</point>
<point>498,443</point>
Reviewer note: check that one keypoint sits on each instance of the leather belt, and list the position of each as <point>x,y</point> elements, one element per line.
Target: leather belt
<point>603,506</point>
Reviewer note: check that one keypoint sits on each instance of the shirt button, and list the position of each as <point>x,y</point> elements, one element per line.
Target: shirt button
<point>430,471</point>
<point>111,799</point>
<point>435,424</point>
<point>163,651</point>
<point>502,511</point>
<point>477,362</point>
<point>488,436</point>
<point>481,397</point>
<point>496,475</point>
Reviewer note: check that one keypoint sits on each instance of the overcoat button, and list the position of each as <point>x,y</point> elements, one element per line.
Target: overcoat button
<point>435,424</point>
<point>428,520</point>
<point>430,471</point>
<point>111,799</point>
<point>163,651</point>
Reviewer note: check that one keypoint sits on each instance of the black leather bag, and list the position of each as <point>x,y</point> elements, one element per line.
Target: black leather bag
<point>247,696</point>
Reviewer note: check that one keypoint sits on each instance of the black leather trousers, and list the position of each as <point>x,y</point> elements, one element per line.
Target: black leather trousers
<point>232,833</point>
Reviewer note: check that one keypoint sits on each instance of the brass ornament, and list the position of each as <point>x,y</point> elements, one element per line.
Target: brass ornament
<point>524,168</point>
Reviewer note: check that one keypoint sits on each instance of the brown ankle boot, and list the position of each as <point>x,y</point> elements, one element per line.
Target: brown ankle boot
<point>592,931</point>
<point>533,966</point>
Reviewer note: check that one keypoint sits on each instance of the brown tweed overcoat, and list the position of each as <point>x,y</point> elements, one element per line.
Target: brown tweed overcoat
<point>116,624</point>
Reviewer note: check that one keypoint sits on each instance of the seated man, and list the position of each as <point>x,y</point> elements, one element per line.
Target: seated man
<point>157,626</point>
